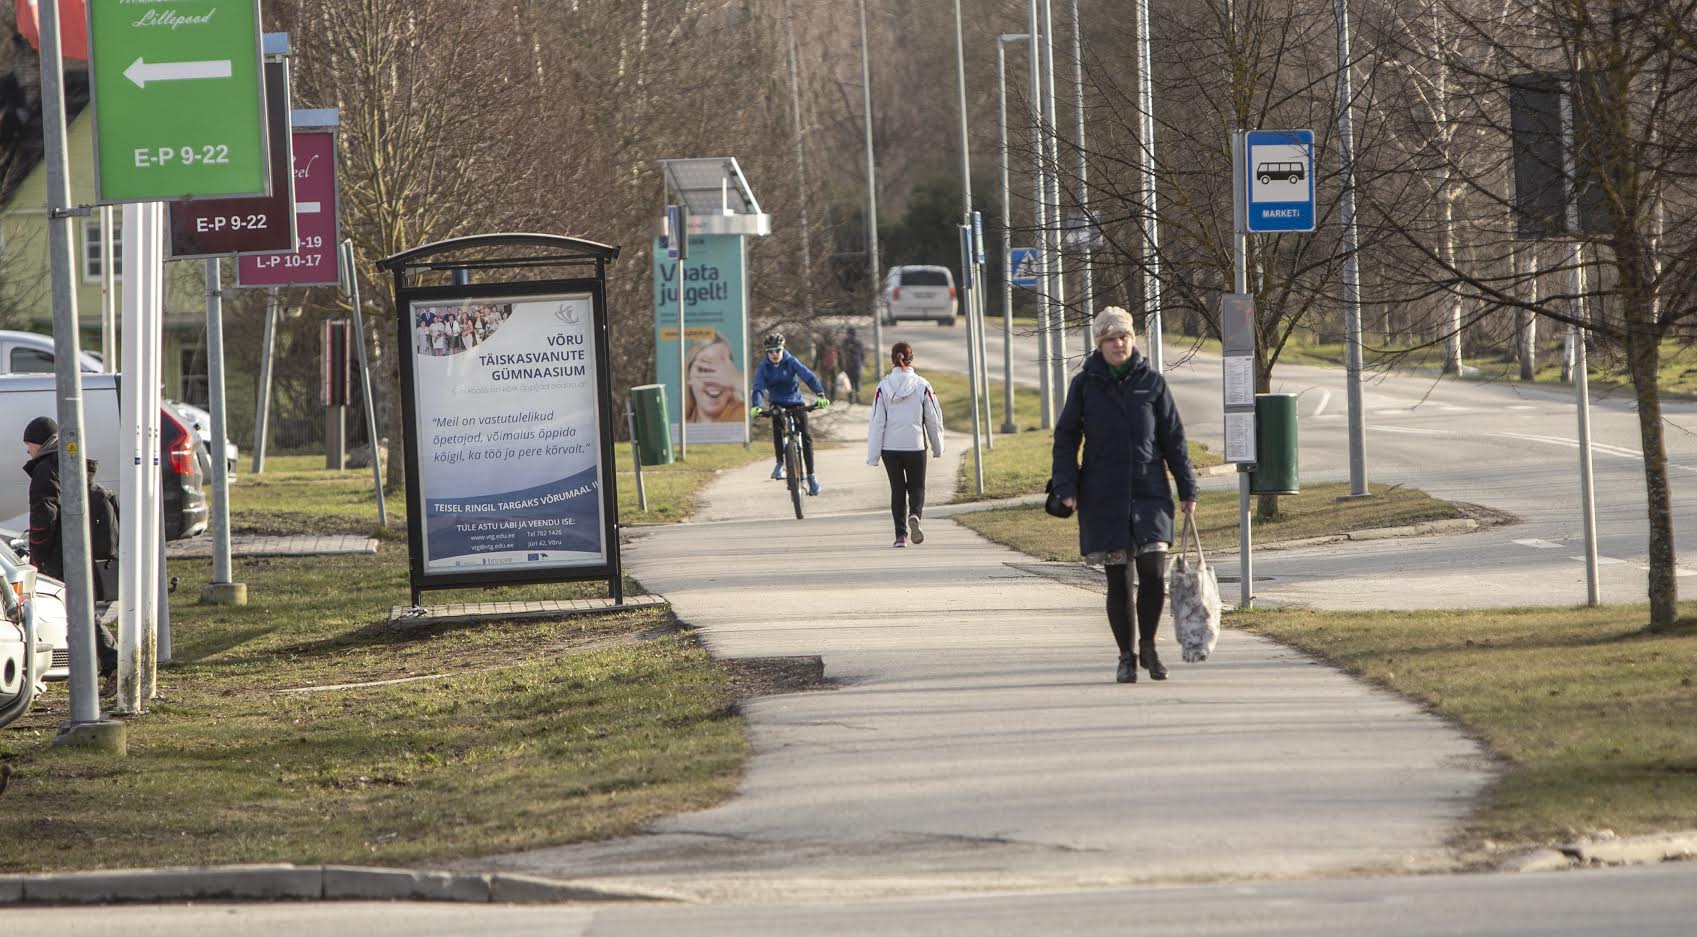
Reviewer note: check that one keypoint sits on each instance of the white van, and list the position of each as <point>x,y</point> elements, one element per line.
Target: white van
<point>920,292</point>
<point>32,353</point>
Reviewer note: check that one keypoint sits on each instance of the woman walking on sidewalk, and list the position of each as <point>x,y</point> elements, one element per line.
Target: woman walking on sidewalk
<point>1124,413</point>
<point>904,417</point>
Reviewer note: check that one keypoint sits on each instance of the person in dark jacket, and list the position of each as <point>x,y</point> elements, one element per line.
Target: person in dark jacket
<point>1123,412</point>
<point>854,359</point>
<point>46,532</point>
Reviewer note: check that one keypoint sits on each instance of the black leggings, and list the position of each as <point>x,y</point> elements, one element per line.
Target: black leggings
<point>806,438</point>
<point>1151,573</point>
<point>907,484</point>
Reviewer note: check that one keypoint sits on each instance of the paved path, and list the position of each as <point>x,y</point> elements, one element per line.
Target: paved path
<point>979,741</point>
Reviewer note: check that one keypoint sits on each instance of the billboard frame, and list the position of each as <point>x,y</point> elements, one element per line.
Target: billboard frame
<point>433,273</point>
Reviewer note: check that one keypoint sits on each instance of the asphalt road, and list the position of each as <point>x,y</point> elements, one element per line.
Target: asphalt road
<point>1505,445</point>
<point>1650,901</point>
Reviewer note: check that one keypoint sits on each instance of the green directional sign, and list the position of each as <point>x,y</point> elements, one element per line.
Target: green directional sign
<point>179,111</point>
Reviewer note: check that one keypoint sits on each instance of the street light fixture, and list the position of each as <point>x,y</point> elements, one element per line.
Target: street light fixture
<point>1008,424</point>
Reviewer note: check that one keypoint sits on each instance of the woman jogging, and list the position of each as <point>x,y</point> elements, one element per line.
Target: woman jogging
<point>904,417</point>
<point>1124,414</point>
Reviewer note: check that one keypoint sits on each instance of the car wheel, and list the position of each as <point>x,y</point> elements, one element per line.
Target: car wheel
<point>1295,179</point>
<point>1265,178</point>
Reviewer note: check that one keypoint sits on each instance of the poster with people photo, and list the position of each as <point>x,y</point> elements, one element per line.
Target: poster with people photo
<point>713,405</point>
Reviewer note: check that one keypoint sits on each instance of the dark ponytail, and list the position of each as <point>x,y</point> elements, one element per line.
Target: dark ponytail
<point>901,354</point>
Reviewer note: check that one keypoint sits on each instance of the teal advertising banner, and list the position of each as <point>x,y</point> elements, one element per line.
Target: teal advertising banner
<point>714,400</point>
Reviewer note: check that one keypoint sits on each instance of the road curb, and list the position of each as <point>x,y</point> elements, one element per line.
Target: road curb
<point>284,881</point>
<point>1605,849</point>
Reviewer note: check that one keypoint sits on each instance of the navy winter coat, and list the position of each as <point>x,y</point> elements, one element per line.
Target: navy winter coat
<point>1132,435</point>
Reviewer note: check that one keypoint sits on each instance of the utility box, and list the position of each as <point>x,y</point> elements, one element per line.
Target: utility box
<point>653,430</point>
<point>1275,446</point>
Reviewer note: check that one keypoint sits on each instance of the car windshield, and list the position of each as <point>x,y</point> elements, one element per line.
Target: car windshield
<point>924,278</point>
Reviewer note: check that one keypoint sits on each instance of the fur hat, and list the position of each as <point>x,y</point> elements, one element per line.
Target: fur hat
<point>1112,321</point>
<point>41,429</point>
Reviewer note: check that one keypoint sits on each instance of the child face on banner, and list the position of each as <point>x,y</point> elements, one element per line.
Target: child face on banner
<point>715,384</point>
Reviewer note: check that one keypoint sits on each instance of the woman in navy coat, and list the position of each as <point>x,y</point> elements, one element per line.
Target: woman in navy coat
<point>1123,412</point>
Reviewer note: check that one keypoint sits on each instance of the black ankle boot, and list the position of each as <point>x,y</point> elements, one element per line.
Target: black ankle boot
<point>1128,669</point>
<point>1151,660</point>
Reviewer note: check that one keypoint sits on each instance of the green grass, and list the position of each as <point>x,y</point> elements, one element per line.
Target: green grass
<point>1314,513</point>
<point>1592,713</point>
<point>297,495</point>
<point>530,733</point>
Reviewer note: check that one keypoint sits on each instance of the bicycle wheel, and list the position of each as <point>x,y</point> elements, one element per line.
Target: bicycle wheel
<point>792,469</point>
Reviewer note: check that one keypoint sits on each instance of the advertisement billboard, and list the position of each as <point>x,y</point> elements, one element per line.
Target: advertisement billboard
<point>714,400</point>
<point>508,426</point>
<point>313,262</point>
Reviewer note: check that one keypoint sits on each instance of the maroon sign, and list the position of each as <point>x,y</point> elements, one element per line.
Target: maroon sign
<point>313,263</point>
<point>221,226</point>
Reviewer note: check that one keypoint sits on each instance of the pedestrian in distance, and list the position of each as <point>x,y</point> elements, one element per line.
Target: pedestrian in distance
<point>46,529</point>
<point>854,359</point>
<point>905,417</point>
<point>780,377</point>
<point>1123,412</point>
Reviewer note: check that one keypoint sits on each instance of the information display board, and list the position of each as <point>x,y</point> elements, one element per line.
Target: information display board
<point>314,262</point>
<point>714,401</point>
<point>178,106</point>
<point>215,227</point>
<point>506,415</point>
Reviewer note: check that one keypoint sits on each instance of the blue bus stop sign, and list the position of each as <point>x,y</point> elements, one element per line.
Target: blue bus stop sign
<point>1022,266</point>
<point>1278,174</point>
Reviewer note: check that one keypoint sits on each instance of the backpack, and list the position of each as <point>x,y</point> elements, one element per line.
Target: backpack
<point>102,522</point>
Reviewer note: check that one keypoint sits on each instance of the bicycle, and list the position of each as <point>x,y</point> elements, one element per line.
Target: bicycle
<point>794,464</point>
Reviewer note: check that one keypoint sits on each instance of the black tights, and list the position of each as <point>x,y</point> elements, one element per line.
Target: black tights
<point>806,438</point>
<point>1151,572</point>
<point>907,484</point>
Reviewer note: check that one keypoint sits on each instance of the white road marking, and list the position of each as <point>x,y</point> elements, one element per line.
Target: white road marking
<point>1325,398</point>
<point>1677,571</point>
<point>1601,560</point>
<point>1539,544</point>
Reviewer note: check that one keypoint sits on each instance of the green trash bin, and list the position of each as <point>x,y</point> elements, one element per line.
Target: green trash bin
<point>1275,446</point>
<point>653,429</point>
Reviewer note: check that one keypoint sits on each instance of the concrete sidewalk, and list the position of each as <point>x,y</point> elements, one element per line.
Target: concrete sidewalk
<point>979,741</point>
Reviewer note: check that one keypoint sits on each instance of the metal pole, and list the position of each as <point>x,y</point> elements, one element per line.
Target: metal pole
<point>162,599</point>
<point>150,228</point>
<point>1086,288</point>
<point>1529,319</point>
<point>1151,224</point>
<point>67,350</point>
<point>1008,423</point>
<point>352,273</point>
<point>971,353</point>
<point>871,194</point>
<point>1051,165</point>
<point>262,425</point>
<point>1240,284</point>
<point>979,303</point>
<point>108,297</point>
<point>1576,340</point>
<point>801,177</point>
<point>1351,264</point>
<point>1039,224</point>
<point>215,393</point>
<point>683,378</point>
<point>636,457</point>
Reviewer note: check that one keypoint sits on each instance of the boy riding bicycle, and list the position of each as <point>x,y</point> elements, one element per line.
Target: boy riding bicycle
<point>779,377</point>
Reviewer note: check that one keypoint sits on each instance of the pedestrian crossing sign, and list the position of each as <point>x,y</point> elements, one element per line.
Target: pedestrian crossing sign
<point>1022,264</point>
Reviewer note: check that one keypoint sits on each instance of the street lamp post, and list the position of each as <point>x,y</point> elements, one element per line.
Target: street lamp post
<point>1052,195</point>
<point>966,254</point>
<point>1008,424</point>
<point>871,192</point>
<point>1039,223</point>
<point>1146,162</point>
<point>1351,265</point>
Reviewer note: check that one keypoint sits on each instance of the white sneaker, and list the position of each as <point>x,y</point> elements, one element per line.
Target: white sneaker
<point>913,531</point>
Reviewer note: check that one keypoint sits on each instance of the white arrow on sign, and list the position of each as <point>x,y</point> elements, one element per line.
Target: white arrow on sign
<point>141,73</point>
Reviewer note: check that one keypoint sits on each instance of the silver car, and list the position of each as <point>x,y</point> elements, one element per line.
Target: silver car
<point>22,673</point>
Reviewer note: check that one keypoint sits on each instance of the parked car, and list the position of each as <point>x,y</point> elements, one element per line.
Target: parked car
<point>22,673</point>
<point>182,473</point>
<point>920,292</point>
<point>201,422</point>
<point>33,353</point>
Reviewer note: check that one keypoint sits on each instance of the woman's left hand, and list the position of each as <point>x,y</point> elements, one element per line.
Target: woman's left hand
<point>1188,507</point>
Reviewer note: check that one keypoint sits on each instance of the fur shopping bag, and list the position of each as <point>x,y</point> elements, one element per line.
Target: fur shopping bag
<point>1195,597</point>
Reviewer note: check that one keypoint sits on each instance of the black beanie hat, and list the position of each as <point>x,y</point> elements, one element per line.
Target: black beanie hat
<point>41,429</point>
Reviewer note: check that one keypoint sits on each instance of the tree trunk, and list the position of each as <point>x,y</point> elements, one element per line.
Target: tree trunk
<point>1644,360</point>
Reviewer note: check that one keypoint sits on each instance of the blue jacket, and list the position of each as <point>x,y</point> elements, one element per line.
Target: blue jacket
<point>780,382</point>
<point>1132,436</point>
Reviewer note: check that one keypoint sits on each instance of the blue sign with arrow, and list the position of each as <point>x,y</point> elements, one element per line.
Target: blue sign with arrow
<point>1278,173</point>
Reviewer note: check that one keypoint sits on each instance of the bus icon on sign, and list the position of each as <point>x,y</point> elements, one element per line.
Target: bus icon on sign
<point>1289,172</point>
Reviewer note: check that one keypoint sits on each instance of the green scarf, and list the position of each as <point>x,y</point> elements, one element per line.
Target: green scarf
<point>1118,373</point>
